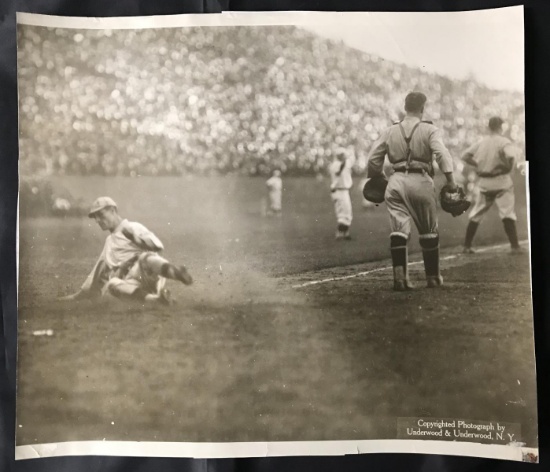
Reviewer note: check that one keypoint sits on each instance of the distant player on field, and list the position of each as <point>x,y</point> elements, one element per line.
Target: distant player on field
<point>275,193</point>
<point>130,265</point>
<point>341,183</point>
<point>493,158</point>
<point>410,145</point>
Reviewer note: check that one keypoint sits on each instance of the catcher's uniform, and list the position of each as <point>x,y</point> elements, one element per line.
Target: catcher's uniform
<point>410,193</point>
<point>340,184</point>
<point>127,262</point>
<point>494,158</point>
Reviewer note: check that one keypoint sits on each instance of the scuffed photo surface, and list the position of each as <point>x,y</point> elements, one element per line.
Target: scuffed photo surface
<point>286,334</point>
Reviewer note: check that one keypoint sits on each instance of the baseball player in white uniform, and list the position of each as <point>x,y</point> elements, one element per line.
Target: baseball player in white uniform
<point>341,183</point>
<point>130,265</point>
<point>275,193</point>
<point>410,194</point>
<point>493,158</point>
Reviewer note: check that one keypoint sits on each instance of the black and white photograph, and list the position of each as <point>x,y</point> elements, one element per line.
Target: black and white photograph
<point>253,234</point>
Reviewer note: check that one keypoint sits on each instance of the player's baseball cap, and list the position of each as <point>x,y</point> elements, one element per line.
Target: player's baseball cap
<point>341,152</point>
<point>100,203</point>
<point>495,122</point>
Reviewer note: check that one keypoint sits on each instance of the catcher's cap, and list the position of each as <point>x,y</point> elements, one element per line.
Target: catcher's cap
<point>100,204</point>
<point>341,152</point>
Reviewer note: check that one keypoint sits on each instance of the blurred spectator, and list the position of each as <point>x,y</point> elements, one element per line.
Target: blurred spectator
<point>223,100</point>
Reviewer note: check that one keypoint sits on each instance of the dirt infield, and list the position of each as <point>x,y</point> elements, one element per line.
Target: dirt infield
<point>341,359</point>
<point>244,356</point>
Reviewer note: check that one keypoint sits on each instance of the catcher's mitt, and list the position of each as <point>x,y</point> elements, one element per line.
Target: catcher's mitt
<point>375,188</point>
<point>453,201</point>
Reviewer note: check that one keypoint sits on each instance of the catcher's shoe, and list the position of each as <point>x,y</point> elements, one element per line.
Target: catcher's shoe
<point>183,276</point>
<point>401,282</point>
<point>434,281</point>
<point>402,285</point>
<point>468,250</point>
<point>340,235</point>
<point>165,297</point>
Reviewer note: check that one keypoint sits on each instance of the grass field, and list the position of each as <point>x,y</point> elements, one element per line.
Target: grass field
<point>243,356</point>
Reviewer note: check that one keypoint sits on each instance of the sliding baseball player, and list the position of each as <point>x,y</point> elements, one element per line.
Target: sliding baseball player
<point>130,265</point>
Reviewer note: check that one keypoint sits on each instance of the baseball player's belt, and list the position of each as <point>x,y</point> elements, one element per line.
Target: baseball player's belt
<point>488,175</point>
<point>411,171</point>
<point>126,266</point>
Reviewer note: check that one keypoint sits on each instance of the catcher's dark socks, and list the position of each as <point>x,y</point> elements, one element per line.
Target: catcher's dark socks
<point>398,248</point>
<point>431,261</point>
<point>399,256</point>
<point>470,233</point>
<point>511,232</point>
<point>343,228</point>
<point>430,254</point>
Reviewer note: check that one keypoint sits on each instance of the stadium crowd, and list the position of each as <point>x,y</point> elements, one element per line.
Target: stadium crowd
<point>221,100</point>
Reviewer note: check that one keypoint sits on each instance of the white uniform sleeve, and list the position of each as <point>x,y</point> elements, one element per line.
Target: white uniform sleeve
<point>375,164</point>
<point>511,151</point>
<point>468,155</point>
<point>142,237</point>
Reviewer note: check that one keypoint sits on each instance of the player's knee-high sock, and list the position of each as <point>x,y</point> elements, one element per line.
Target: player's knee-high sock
<point>470,233</point>
<point>170,271</point>
<point>155,263</point>
<point>511,232</point>
<point>430,254</point>
<point>160,266</point>
<point>398,247</point>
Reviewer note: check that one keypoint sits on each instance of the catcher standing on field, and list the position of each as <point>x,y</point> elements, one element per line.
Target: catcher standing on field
<point>130,265</point>
<point>340,185</point>
<point>410,194</point>
<point>493,158</point>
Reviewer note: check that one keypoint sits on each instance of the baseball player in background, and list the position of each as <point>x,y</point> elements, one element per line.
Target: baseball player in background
<point>129,266</point>
<point>275,193</point>
<point>410,194</point>
<point>341,183</point>
<point>493,158</point>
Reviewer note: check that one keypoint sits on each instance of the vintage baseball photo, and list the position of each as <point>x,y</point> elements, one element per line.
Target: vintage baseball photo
<point>274,234</point>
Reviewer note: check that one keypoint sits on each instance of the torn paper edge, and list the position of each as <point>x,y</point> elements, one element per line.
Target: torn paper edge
<point>280,18</point>
<point>270,449</point>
